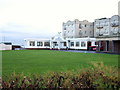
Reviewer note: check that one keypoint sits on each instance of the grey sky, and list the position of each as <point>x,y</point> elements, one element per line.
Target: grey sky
<point>21,19</point>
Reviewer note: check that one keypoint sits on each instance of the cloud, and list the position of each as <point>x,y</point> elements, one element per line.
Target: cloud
<point>43,18</point>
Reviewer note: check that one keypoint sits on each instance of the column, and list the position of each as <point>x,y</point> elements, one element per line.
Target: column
<point>50,45</point>
<point>43,44</point>
<point>35,43</point>
<point>74,44</point>
<point>112,45</point>
<point>99,45</point>
<point>28,43</point>
<point>58,45</point>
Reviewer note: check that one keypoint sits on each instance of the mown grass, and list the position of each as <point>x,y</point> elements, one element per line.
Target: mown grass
<point>41,61</point>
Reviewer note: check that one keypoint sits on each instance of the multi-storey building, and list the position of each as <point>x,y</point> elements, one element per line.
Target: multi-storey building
<point>107,33</point>
<point>77,29</point>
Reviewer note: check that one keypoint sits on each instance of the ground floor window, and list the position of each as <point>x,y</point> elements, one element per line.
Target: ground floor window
<point>77,44</point>
<point>83,44</point>
<point>32,43</point>
<point>47,44</point>
<point>72,44</point>
<point>95,43</point>
<point>64,43</point>
<point>39,43</point>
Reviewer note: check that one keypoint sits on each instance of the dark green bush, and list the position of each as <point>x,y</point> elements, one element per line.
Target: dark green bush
<point>98,77</point>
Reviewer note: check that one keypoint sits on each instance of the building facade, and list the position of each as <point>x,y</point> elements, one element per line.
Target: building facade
<point>103,35</point>
<point>77,29</point>
<point>5,46</point>
<point>107,34</point>
<point>36,43</point>
<point>59,43</point>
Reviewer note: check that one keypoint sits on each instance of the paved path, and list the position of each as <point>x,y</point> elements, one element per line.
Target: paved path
<point>87,52</point>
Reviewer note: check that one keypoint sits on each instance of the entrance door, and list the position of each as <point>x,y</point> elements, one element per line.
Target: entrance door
<point>88,45</point>
<point>107,45</point>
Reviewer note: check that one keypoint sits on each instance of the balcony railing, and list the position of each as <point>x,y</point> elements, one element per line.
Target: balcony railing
<point>99,27</point>
<point>101,34</point>
<point>114,24</point>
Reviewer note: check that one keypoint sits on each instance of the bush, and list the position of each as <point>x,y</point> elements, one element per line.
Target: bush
<point>100,76</point>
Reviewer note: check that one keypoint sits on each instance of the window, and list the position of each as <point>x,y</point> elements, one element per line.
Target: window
<point>55,44</point>
<point>39,44</point>
<point>80,33</point>
<point>95,43</point>
<point>47,44</point>
<point>85,25</point>
<point>83,44</point>
<point>64,28</point>
<point>91,25</point>
<point>77,44</point>
<point>32,43</point>
<point>90,32</point>
<point>72,44</point>
<point>64,43</point>
<point>80,26</point>
<point>85,32</point>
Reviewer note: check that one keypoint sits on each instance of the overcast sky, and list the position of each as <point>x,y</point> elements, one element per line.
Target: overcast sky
<point>21,19</point>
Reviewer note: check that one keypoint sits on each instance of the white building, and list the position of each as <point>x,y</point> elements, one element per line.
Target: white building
<point>5,46</point>
<point>107,27</point>
<point>58,42</point>
<point>77,29</point>
<point>35,43</point>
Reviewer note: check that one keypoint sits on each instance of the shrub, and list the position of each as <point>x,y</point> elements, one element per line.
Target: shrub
<point>100,76</point>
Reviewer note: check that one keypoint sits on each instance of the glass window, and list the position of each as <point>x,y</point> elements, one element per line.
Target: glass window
<point>90,32</point>
<point>72,44</point>
<point>91,25</point>
<point>77,44</point>
<point>32,43</point>
<point>95,43</point>
<point>83,44</point>
<point>64,28</point>
<point>80,26</point>
<point>64,43</point>
<point>80,33</point>
<point>85,25</point>
<point>46,43</point>
<point>39,43</point>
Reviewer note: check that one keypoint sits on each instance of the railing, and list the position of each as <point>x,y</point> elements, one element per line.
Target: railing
<point>114,24</point>
<point>100,34</point>
<point>99,27</point>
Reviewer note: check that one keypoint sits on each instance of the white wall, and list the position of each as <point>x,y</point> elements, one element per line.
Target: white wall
<point>5,47</point>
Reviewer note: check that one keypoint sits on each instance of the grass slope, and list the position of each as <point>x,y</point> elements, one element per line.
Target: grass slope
<point>42,61</point>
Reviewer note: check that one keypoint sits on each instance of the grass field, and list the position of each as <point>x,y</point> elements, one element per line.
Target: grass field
<point>42,61</point>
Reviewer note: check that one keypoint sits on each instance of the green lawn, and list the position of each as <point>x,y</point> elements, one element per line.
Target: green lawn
<point>42,61</point>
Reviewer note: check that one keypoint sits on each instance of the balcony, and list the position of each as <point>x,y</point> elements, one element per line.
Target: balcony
<point>114,24</point>
<point>101,34</point>
<point>99,27</point>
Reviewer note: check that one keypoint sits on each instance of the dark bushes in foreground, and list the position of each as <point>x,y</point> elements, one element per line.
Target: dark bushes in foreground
<point>98,77</point>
